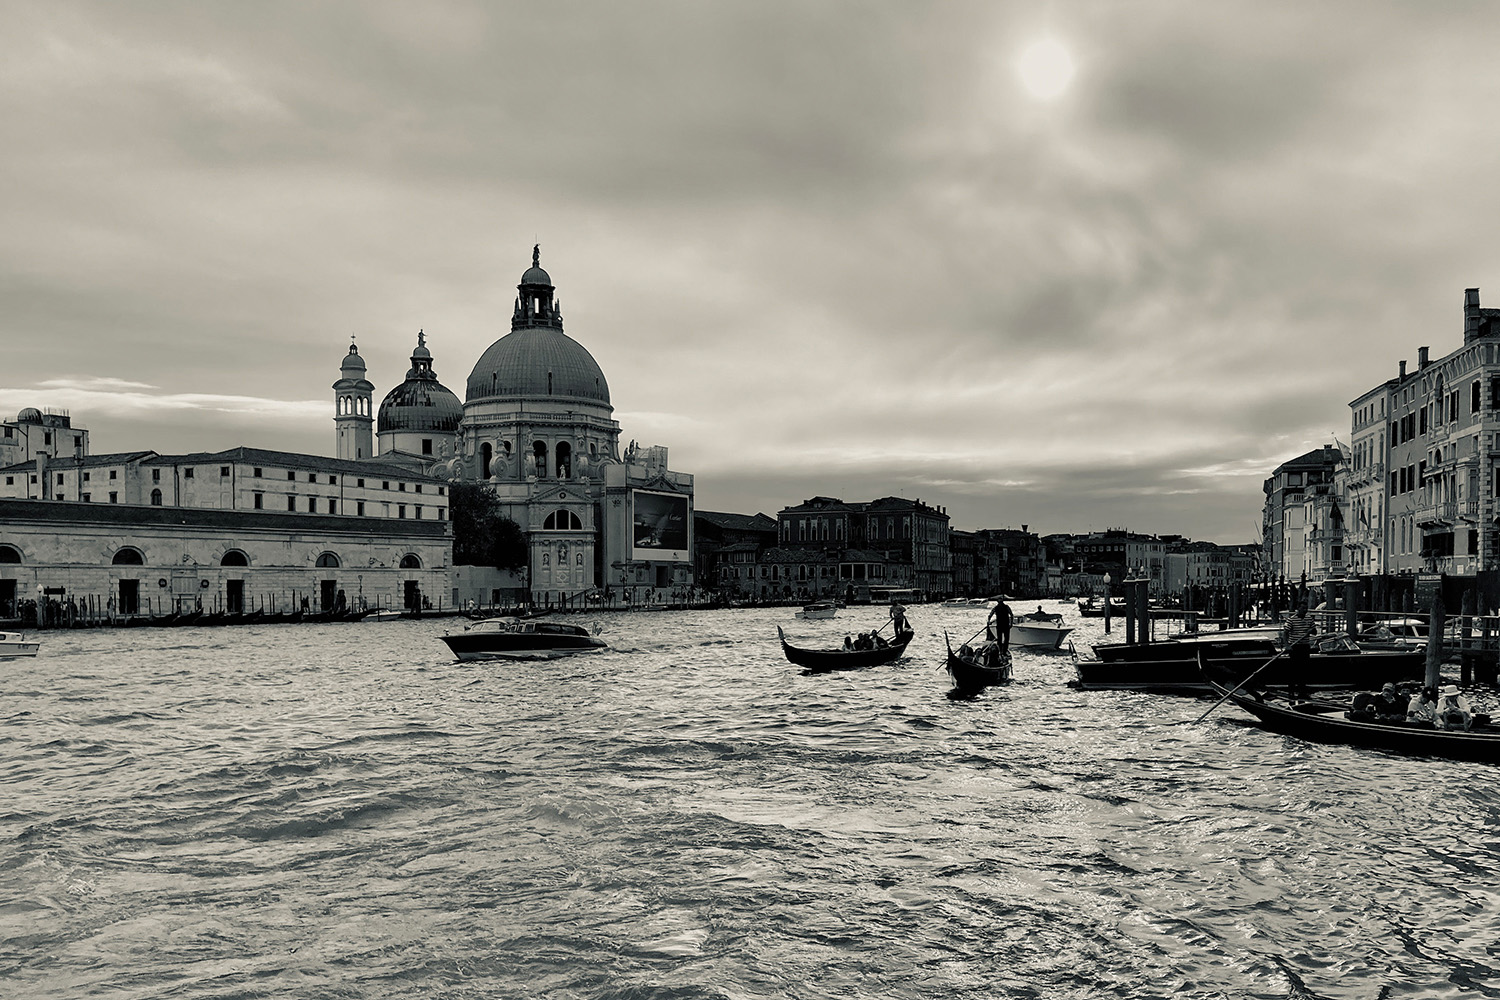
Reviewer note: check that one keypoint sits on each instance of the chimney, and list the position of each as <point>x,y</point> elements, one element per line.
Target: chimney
<point>1471,314</point>
<point>1422,361</point>
<point>1403,370</point>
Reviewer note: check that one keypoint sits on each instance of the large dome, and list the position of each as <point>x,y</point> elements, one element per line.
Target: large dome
<point>537,361</point>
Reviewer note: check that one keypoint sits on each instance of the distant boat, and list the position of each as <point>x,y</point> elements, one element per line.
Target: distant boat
<point>818,610</point>
<point>14,645</point>
<point>969,602</point>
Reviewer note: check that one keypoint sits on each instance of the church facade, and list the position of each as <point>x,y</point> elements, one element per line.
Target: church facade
<point>538,428</point>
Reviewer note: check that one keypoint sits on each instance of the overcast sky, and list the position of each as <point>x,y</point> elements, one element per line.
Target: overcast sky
<point>817,248</point>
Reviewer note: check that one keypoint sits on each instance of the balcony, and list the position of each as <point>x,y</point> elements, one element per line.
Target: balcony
<point>1432,516</point>
<point>1362,538</point>
<point>1372,472</point>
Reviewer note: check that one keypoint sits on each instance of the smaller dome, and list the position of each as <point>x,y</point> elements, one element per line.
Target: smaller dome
<point>420,405</point>
<point>30,415</point>
<point>536,276</point>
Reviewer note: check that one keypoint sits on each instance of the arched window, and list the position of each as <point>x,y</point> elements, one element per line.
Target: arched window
<point>564,460</point>
<point>234,557</point>
<point>539,451</point>
<point>9,554</point>
<point>129,557</point>
<point>485,454</point>
<point>411,561</point>
<point>156,498</point>
<point>328,561</point>
<point>562,520</point>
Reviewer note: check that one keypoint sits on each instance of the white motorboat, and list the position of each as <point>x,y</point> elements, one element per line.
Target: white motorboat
<point>818,610</point>
<point>1038,634</point>
<point>511,638</point>
<point>14,645</point>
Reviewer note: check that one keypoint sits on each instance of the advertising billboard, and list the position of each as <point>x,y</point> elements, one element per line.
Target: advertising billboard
<point>660,524</point>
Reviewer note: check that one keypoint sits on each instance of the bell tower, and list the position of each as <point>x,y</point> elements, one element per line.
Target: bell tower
<point>353,413</point>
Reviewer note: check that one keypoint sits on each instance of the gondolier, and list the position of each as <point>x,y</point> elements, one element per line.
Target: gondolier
<point>1299,633</point>
<point>999,624</point>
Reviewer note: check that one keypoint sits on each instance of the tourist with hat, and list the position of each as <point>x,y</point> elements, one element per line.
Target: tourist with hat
<point>1453,710</point>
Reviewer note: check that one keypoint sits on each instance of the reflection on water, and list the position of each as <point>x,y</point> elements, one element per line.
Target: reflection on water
<point>341,810</point>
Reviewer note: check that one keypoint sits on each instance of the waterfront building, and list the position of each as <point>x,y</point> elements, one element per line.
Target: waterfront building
<point>904,541</point>
<point>41,432</point>
<point>1009,561</point>
<point>538,427</point>
<point>1425,443</point>
<point>727,549</point>
<point>1287,515</point>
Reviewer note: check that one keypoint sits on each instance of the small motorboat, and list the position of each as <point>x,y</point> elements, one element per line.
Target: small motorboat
<point>14,645</point>
<point>384,615</point>
<point>975,668</point>
<point>818,610</point>
<point>512,638</point>
<point>818,660</point>
<point>1033,632</point>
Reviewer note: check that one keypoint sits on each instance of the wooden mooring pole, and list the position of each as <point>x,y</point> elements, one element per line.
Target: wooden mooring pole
<point>1435,642</point>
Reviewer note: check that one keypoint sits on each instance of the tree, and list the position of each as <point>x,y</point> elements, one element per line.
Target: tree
<point>482,535</point>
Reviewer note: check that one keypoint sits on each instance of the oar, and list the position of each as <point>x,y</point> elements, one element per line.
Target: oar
<point>1203,666</point>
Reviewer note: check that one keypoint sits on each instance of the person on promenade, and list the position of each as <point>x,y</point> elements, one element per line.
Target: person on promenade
<point>998,624</point>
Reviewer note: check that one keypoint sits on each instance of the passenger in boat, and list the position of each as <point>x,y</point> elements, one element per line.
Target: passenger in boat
<point>998,625</point>
<point>1453,710</point>
<point>1388,706</point>
<point>848,641</point>
<point>1423,707</point>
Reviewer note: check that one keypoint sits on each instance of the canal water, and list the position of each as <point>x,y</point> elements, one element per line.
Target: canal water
<point>344,811</point>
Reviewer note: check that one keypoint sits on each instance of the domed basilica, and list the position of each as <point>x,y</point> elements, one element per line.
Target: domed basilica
<point>537,425</point>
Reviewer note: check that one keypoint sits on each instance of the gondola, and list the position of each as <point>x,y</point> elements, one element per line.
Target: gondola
<point>845,659</point>
<point>1325,722</point>
<point>969,674</point>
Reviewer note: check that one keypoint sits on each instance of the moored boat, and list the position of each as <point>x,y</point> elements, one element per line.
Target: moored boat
<point>846,658</point>
<point>14,645</point>
<point>509,638</point>
<point>1173,667</point>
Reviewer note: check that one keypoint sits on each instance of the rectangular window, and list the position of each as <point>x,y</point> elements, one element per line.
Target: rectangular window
<point>360,483</point>
<point>442,514</point>
<point>187,473</point>
<point>290,475</point>
<point>59,479</point>
<point>312,505</point>
<point>62,496</point>
<point>440,491</point>
<point>333,480</point>
<point>333,506</point>
<point>47,438</point>
<point>1422,423</point>
<point>85,497</point>
<point>427,446</point>
<point>401,510</point>
<point>78,440</point>
<point>419,487</point>
<point>385,484</point>
<point>258,501</point>
<point>417,512</point>
<point>10,480</point>
<point>223,471</point>
<point>291,502</point>
<point>156,475</point>
<point>312,477</point>
<point>111,473</point>
<point>359,508</point>
<point>85,477</point>
<point>255,472</point>
<point>114,497</point>
<point>401,487</point>
<point>1474,396</point>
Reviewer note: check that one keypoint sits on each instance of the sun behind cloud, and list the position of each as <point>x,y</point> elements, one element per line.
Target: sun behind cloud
<point>1046,69</point>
